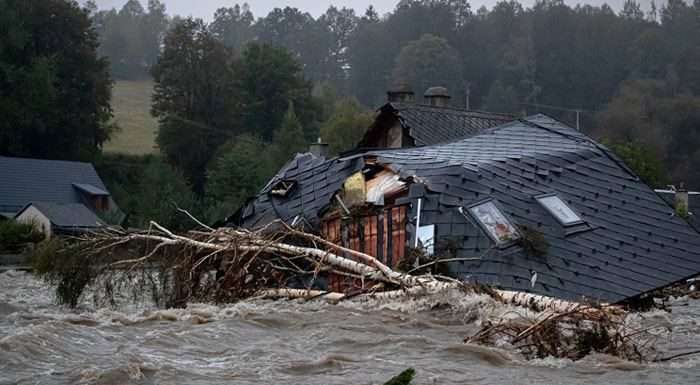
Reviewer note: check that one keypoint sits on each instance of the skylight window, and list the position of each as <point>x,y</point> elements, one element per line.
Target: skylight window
<point>494,222</point>
<point>560,210</point>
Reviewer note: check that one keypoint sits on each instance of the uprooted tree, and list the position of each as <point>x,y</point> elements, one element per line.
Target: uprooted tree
<point>278,261</point>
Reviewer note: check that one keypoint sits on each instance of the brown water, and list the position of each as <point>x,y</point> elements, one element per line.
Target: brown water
<point>289,342</point>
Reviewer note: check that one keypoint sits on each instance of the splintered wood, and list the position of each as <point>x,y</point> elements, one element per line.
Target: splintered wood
<point>279,261</point>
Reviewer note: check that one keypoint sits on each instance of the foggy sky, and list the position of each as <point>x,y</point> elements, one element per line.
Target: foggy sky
<point>205,8</point>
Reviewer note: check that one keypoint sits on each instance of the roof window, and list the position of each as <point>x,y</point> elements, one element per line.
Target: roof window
<point>560,210</point>
<point>494,222</point>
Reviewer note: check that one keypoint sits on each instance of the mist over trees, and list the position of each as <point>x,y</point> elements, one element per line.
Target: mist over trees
<point>272,83</point>
<point>131,37</point>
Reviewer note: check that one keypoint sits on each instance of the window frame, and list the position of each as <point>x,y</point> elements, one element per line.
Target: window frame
<point>283,187</point>
<point>580,221</point>
<point>499,243</point>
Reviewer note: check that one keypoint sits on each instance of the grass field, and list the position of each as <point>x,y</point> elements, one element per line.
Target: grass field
<point>131,101</point>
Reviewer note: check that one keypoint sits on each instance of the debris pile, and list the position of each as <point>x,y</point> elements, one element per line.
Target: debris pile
<point>227,265</point>
<point>572,334</point>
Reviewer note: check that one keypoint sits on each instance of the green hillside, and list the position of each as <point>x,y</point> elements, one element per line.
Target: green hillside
<point>131,101</point>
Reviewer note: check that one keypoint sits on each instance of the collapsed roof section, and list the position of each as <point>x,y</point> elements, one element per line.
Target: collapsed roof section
<point>604,236</point>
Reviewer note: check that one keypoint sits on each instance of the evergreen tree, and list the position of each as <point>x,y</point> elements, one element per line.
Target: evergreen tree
<point>191,98</point>
<point>241,167</point>
<point>289,137</point>
<point>161,191</point>
<point>234,26</point>
<point>501,99</point>
<point>54,90</point>
<point>426,62</point>
<point>345,126</point>
<point>266,79</point>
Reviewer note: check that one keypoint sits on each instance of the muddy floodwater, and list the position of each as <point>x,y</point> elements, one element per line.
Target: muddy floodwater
<point>290,342</point>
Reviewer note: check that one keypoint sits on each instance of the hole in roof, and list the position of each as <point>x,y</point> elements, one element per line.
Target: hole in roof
<point>560,210</point>
<point>283,187</point>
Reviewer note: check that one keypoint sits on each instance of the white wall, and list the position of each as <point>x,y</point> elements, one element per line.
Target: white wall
<point>33,216</point>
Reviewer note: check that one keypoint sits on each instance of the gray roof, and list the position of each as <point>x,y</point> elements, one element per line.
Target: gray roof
<point>90,189</point>
<point>68,215</point>
<point>629,244</point>
<point>428,125</point>
<point>24,180</point>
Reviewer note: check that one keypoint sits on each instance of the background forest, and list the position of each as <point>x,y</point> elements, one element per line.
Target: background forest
<point>236,97</point>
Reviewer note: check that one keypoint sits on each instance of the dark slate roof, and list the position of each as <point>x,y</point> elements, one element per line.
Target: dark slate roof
<point>90,189</point>
<point>318,179</point>
<point>68,215</point>
<point>432,124</point>
<point>25,180</point>
<point>630,243</point>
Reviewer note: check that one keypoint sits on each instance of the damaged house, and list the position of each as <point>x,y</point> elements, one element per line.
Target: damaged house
<point>522,204</point>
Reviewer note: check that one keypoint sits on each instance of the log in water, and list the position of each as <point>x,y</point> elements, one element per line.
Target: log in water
<point>291,342</point>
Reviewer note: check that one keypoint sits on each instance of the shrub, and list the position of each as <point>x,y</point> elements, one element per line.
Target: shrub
<point>65,266</point>
<point>13,235</point>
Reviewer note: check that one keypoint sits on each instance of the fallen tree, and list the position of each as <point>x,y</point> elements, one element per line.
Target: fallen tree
<point>227,265</point>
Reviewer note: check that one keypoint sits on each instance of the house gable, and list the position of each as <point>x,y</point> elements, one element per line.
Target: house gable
<point>402,125</point>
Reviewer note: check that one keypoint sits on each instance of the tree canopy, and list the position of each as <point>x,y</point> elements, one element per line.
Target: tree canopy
<point>54,90</point>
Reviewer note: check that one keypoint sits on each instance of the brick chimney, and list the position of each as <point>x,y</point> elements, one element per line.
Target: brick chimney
<point>437,96</point>
<point>681,201</point>
<point>319,149</point>
<point>402,93</point>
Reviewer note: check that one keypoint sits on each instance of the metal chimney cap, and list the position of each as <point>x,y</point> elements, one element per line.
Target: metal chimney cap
<point>437,92</point>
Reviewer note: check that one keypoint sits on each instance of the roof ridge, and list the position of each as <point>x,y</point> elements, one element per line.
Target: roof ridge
<point>46,160</point>
<point>583,138</point>
<point>452,109</point>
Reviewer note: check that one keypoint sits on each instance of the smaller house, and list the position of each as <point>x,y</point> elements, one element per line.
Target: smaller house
<point>52,218</point>
<point>58,196</point>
